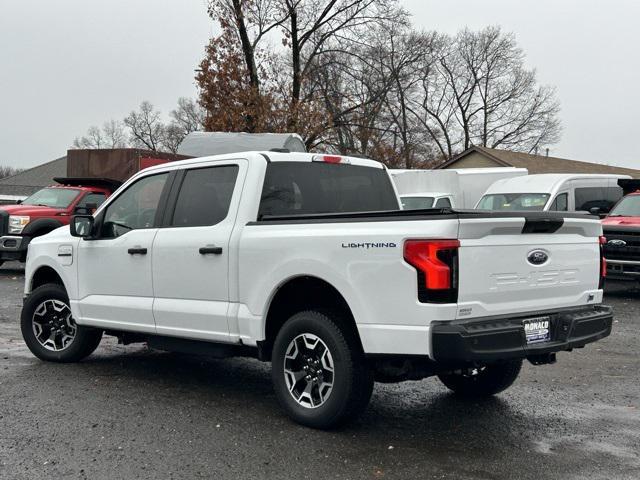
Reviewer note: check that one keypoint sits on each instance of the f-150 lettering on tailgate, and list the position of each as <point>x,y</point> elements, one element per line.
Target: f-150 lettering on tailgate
<point>505,281</point>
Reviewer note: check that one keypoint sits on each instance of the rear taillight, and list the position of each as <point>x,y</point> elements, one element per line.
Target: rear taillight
<point>603,262</point>
<point>437,264</point>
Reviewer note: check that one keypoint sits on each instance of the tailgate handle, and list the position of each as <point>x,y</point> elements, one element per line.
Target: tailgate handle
<point>210,250</point>
<point>542,225</point>
<point>137,251</point>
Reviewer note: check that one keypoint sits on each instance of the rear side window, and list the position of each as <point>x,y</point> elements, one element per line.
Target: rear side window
<point>205,196</point>
<point>443,203</point>
<point>292,188</point>
<point>559,203</point>
<point>602,197</point>
<point>92,198</point>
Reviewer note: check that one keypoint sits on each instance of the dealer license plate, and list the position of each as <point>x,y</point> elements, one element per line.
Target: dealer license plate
<point>537,329</point>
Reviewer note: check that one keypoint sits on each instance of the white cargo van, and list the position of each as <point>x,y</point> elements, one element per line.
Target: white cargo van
<point>554,192</point>
<point>459,188</point>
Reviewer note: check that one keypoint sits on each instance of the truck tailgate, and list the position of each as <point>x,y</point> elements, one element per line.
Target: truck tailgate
<point>527,263</point>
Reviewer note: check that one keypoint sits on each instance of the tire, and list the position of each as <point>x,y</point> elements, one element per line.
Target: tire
<point>338,395</point>
<point>490,380</point>
<point>46,305</point>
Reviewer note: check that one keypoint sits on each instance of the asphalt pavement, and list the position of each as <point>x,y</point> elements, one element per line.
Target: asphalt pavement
<point>128,412</point>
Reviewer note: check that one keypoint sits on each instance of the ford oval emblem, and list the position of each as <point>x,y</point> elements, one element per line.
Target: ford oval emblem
<point>537,257</point>
<point>616,242</point>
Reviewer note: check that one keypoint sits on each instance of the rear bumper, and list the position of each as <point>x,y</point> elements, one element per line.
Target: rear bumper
<point>13,247</point>
<point>501,338</point>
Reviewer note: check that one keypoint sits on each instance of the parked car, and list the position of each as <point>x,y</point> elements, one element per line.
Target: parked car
<point>622,232</point>
<point>307,261</point>
<point>560,192</point>
<point>418,201</point>
<point>458,188</point>
<point>46,210</point>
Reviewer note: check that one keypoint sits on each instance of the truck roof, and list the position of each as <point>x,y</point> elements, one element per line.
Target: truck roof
<point>543,182</point>
<point>274,157</point>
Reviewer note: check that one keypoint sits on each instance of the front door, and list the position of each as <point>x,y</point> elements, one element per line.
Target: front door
<point>191,253</point>
<point>115,287</point>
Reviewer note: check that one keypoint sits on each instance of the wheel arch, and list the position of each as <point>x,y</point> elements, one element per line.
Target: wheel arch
<point>43,275</point>
<point>299,293</point>
<point>41,226</point>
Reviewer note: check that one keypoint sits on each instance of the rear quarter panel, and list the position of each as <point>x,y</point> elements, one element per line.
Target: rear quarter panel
<point>379,287</point>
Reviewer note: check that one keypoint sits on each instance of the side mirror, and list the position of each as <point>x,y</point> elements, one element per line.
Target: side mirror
<point>595,211</point>
<point>18,202</point>
<point>82,226</point>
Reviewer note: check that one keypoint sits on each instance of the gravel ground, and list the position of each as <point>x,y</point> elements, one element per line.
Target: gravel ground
<point>128,412</point>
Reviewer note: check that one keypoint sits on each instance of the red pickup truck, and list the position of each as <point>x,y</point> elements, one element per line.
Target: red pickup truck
<point>621,228</point>
<point>48,209</point>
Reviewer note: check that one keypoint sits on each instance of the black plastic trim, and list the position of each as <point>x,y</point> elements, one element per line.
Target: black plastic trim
<point>167,204</point>
<point>416,215</point>
<point>502,337</point>
<point>109,183</point>
<point>542,225</point>
<point>40,224</point>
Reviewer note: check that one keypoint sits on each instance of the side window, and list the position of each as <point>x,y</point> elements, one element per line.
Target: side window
<point>205,196</point>
<point>602,197</point>
<point>442,203</point>
<point>135,207</point>
<point>91,198</point>
<point>560,203</point>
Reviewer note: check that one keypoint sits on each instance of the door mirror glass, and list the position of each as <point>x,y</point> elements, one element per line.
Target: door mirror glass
<point>82,226</point>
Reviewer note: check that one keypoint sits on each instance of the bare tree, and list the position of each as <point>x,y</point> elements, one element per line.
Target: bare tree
<point>92,139</point>
<point>146,129</point>
<point>6,171</point>
<point>188,116</point>
<point>318,27</point>
<point>111,135</point>
<point>477,91</point>
<point>114,134</point>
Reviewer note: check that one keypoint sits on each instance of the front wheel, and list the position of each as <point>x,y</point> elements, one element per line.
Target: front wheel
<point>319,373</point>
<point>482,381</point>
<point>50,331</point>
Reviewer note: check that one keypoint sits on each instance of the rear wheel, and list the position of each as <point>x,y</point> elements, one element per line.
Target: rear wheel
<point>482,381</point>
<point>50,331</point>
<point>319,373</point>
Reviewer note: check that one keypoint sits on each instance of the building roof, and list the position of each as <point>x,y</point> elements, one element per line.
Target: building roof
<point>203,144</point>
<point>29,181</point>
<point>540,163</point>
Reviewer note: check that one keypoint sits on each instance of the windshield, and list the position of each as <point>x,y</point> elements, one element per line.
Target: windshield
<point>627,207</point>
<point>513,201</point>
<point>416,203</point>
<point>52,197</point>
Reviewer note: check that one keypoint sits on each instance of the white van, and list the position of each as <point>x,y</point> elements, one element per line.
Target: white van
<point>554,192</point>
<point>459,188</point>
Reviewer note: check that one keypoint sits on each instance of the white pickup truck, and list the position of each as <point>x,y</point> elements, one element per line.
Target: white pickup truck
<point>305,260</point>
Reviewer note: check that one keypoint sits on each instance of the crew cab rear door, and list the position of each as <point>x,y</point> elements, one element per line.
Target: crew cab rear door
<point>509,262</point>
<point>191,252</point>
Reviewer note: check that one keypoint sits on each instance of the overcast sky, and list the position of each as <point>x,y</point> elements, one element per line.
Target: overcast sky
<point>68,64</point>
